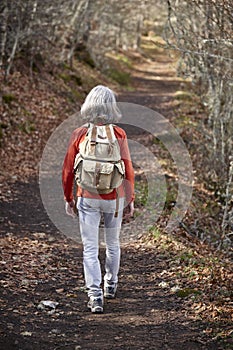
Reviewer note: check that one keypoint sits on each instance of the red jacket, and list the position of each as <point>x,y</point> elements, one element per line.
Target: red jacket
<point>125,190</point>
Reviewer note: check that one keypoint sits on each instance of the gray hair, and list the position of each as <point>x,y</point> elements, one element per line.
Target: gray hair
<point>100,106</point>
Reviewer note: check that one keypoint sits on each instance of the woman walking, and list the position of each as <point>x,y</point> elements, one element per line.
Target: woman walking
<point>100,111</point>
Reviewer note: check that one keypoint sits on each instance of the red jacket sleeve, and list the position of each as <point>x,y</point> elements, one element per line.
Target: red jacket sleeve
<point>68,165</point>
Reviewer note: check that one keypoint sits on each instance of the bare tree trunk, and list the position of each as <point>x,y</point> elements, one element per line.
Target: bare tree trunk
<point>138,31</point>
<point>69,32</point>
<point>226,213</point>
<point>30,29</point>
<point>3,30</point>
<point>12,55</point>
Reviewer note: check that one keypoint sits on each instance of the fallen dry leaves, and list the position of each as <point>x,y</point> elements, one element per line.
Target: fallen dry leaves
<point>199,275</point>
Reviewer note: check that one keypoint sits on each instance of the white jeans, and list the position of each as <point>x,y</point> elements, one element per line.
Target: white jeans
<point>90,211</point>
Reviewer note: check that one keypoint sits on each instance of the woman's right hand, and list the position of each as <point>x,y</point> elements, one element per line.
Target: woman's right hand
<point>129,211</point>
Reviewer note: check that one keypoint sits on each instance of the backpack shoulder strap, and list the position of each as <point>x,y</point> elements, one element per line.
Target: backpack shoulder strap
<point>93,139</point>
<point>93,134</point>
<point>109,133</point>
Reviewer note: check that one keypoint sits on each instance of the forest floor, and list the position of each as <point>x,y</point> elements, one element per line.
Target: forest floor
<point>174,291</point>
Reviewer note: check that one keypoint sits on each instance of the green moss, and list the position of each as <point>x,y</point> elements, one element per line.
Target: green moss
<point>84,56</point>
<point>122,78</point>
<point>155,232</point>
<point>141,190</point>
<point>8,98</point>
<point>183,293</point>
<point>69,77</point>
<point>129,88</point>
<point>184,96</point>
<point>186,256</point>
<point>192,274</point>
<point>27,127</point>
<point>184,120</point>
<point>65,66</point>
<point>77,94</point>
<point>65,77</point>
<point>26,112</point>
<point>125,60</point>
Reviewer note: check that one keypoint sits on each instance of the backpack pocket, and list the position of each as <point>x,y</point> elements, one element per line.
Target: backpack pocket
<point>118,174</point>
<point>98,177</point>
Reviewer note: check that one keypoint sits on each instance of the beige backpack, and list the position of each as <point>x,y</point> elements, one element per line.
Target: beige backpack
<point>98,166</point>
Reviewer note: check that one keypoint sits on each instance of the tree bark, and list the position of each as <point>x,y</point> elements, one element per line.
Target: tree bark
<point>3,31</point>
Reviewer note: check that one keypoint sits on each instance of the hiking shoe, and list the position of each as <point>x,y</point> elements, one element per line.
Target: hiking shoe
<point>110,291</point>
<point>95,304</point>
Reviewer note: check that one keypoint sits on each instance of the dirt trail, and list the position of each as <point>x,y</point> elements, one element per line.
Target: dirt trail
<point>45,266</point>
